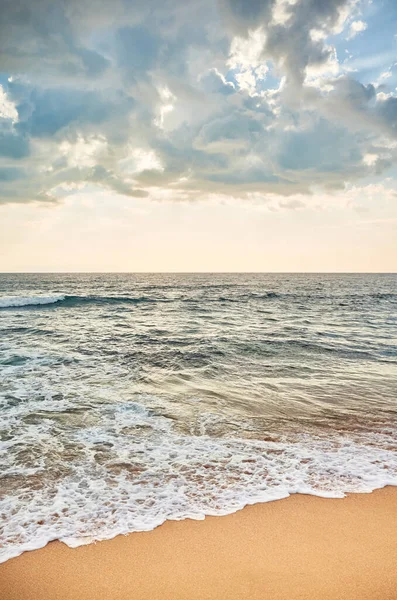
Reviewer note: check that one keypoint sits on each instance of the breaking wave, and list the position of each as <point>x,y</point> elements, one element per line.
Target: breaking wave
<point>19,301</point>
<point>131,471</point>
<point>31,301</point>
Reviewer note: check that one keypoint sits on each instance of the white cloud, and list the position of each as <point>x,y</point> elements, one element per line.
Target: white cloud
<point>318,75</point>
<point>245,53</point>
<point>7,108</point>
<point>246,60</point>
<point>385,75</point>
<point>214,81</point>
<point>355,28</point>
<point>248,79</point>
<point>281,11</point>
<point>140,160</point>
<point>167,101</point>
<point>382,96</point>
<point>84,152</point>
<point>370,159</point>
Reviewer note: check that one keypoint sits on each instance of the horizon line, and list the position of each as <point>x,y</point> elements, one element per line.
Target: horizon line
<point>198,272</point>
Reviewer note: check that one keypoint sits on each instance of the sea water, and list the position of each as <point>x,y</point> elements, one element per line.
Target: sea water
<point>127,400</point>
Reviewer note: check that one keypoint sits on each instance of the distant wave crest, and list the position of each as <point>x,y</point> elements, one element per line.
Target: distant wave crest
<point>31,301</point>
<point>16,301</point>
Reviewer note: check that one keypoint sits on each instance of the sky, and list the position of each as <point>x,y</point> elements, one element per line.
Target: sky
<point>198,135</point>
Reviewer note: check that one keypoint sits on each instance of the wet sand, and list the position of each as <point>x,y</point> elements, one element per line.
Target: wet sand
<point>302,547</point>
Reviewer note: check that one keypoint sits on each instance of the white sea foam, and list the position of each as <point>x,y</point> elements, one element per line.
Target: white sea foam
<point>10,301</point>
<point>132,471</point>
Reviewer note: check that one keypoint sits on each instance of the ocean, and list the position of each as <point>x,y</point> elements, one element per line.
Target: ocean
<point>130,399</point>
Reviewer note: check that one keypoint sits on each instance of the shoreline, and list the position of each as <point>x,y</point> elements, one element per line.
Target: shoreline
<point>301,547</point>
<point>201,517</point>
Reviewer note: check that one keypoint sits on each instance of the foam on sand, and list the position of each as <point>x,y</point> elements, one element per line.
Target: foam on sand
<point>299,548</point>
<point>131,471</point>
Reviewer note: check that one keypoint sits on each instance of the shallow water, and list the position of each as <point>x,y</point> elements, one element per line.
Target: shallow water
<point>126,400</point>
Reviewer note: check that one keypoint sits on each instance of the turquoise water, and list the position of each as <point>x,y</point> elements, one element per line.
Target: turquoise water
<point>126,400</point>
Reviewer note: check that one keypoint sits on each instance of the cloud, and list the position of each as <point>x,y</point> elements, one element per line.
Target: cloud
<point>388,112</point>
<point>200,98</point>
<point>237,130</point>
<point>137,50</point>
<point>296,41</point>
<point>49,48</point>
<point>12,144</point>
<point>214,82</point>
<point>10,174</point>
<point>356,27</point>
<point>8,110</point>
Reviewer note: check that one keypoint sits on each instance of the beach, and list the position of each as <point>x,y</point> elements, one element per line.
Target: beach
<point>198,437</point>
<point>302,547</point>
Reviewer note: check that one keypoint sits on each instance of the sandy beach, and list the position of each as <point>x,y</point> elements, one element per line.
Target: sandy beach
<point>303,547</point>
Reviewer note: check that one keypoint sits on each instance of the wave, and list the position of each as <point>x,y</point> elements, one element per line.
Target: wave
<point>157,474</point>
<point>66,300</point>
<point>60,300</point>
<point>265,296</point>
<point>20,301</point>
<point>70,300</point>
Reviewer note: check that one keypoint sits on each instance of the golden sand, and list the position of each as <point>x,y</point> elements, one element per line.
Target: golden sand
<point>299,548</point>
